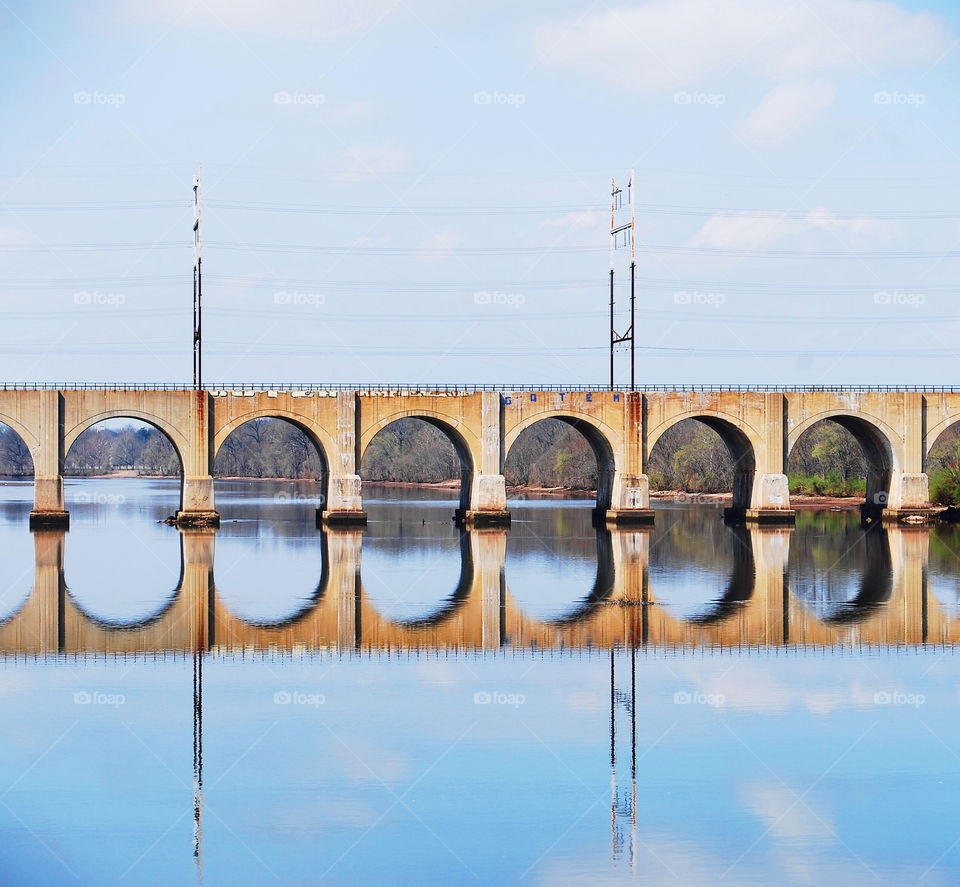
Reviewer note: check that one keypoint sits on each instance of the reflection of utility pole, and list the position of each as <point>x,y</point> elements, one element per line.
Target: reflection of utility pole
<point>198,761</point>
<point>623,798</point>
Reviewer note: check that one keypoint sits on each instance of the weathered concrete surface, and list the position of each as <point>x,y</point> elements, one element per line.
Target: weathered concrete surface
<point>896,430</point>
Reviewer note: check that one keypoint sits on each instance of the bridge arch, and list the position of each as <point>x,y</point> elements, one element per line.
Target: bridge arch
<point>170,431</point>
<point>29,439</point>
<point>598,435</point>
<point>464,442</point>
<point>932,437</point>
<point>878,441</point>
<point>741,440</point>
<point>317,438</point>
<point>173,436</point>
<point>324,443</point>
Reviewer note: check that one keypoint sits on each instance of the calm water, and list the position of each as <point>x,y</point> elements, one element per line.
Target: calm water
<point>409,704</point>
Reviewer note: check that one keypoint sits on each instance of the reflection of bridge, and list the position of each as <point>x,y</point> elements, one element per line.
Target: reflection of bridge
<point>896,430</point>
<point>891,607</point>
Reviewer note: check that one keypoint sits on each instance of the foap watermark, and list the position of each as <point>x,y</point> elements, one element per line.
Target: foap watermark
<point>916,99</point>
<point>895,697</point>
<point>513,99</point>
<point>684,498</point>
<point>99,300</point>
<point>695,297</point>
<point>297,697</point>
<point>300,300</point>
<point>495,697</point>
<point>299,99</point>
<point>84,498</point>
<point>712,99</point>
<point>896,298</point>
<point>684,697</point>
<point>98,697</point>
<point>296,498</point>
<point>113,99</point>
<point>511,300</point>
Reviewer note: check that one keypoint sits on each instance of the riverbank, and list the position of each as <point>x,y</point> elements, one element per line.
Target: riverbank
<point>834,503</point>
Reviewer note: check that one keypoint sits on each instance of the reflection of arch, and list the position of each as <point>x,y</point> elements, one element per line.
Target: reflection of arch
<point>602,584</point>
<point>740,588</point>
<point>464,448</point>
<point>461,592</point>
<point>318,594</point>
<point>740,440</point>
<point>117,625</point>
<point>875,587</point>
<point>595,433</point>
<point>876,441</point>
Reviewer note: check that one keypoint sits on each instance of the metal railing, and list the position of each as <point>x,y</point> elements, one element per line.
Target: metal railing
<point>454,387</point>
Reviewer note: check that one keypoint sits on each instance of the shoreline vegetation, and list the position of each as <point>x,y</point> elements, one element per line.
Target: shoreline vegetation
<point>689,462</point>
<point>797,500</point>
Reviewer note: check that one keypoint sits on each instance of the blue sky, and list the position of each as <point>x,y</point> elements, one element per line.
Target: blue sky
<point>406,191</point>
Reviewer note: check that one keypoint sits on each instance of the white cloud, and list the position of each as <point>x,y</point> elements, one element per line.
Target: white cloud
<point>859,228</point>
<point>746,231</point>
<point>663,45</point>
<point>296,19</point>
<point>579,220</point>
<point>350,112</point>
<point>784,111</point>
<point>17,236</point>
<point>443,243</point>
<point>762,230</point>
<point>362,163</point>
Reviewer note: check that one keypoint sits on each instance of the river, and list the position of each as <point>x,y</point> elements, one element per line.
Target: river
<point>271,703</point>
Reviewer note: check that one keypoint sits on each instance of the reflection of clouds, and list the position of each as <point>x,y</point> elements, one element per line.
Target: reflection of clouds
<point>440,674</point>
<point>371,762</point>
<point>585,701</point>
<point>785,815</point>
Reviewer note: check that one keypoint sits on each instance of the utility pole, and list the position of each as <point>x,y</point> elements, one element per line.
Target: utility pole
<point>197,284</point>
<point>623,235</point>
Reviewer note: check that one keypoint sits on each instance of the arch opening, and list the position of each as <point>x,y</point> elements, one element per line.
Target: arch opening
<point>16,461</point>
<point>561,454</point>
<point>943,467</point>
<point>703,454</point>
<point>111,454</point>
<point>844,456</point>
<point>273,448</point>
<point>421,451</point>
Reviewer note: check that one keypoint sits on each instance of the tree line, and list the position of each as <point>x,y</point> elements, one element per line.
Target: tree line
<point>690,457</point>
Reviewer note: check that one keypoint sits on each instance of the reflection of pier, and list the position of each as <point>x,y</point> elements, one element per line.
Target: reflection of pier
<point>891,605</point>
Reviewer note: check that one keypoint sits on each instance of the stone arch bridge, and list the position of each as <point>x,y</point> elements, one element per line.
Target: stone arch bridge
<point>895,427</point>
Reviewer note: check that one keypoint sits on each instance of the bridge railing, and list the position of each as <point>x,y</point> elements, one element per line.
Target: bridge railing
<point>448,387</point>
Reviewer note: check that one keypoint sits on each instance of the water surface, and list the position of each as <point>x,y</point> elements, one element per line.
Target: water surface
<point>412,704</point>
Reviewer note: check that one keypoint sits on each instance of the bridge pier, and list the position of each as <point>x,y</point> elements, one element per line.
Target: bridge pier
<point>629,502</point>
<point>49,511</point>
<point>488,502</point>
<point>344,505</point>
<point>197,508</point>
<point>769,503</point>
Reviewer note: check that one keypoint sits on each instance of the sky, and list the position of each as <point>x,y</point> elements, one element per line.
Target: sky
<point>419,191</point>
